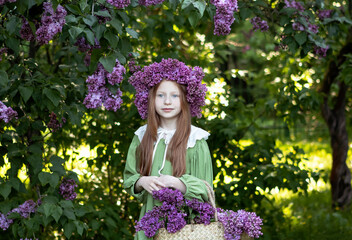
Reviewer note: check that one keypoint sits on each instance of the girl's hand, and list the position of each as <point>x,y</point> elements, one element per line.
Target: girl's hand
<point>172,182</point>
<point>149,183</point>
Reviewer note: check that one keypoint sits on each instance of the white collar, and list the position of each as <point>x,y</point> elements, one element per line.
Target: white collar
<point>196,134</point>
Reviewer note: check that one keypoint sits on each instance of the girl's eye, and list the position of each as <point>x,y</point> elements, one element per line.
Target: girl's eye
<point>160,95</point>
<point>175,95</point>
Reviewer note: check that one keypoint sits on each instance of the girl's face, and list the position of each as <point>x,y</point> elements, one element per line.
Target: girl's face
<point>167,100</point>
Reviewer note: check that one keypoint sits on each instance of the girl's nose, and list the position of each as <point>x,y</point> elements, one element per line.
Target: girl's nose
<point>167,100</point>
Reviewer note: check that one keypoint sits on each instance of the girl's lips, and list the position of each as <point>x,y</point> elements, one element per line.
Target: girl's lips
<point>167,109</point>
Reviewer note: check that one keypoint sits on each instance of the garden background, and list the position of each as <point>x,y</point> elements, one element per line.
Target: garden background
<point>278,110</point>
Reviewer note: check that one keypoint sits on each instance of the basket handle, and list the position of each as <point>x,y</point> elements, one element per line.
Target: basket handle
<point>211,199</point>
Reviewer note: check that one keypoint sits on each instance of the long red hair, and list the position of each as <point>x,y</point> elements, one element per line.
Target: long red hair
<point>176,152</point>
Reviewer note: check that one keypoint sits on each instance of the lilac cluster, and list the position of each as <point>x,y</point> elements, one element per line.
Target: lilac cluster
<point>83,46</point>
<point>173,70</point>
<point>320,51</point>
<point>99,94</point>
<point>5,222</point>
<point>67,189</point>
<point>26,31</point>
<point>51,21</point>
<point>150,2</point>
<point>258,23</point>
<point>2,2</point>
<point>133,66</point>
<point>205,211</point>
<point>2,51</point>
<point>24,210</point>
<point>293,4</point>
<point>237,223</point>
<point>322,14</point>
<point>170,213</point>
<point>223,18</point>
<point>54,124</point>
<point>6,113</point>
<point>119,3</point>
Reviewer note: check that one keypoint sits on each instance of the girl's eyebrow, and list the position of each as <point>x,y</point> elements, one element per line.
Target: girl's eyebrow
<point>165,92</point>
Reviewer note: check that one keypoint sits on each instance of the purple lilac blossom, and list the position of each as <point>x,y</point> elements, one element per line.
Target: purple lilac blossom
<point>294,4</point>
<point>223,18</point>
<point>5,222</point>
<point>320,51</point>
<point>132,66</point>
<point>205,211</point>
<point>313,28</point>
<point>150,2</point>
<point>54,124</point>
<point>169,196</point>
<point>2,2</point>
<point>322,14</point>
<point>51,21</point>
<point>258,23</point>
<point>26,208</point>
<point>173,70</point>
<point>2,51</point>
<point>298,26</point>
<point>237,223</point>
<point>67,189</point>
<point>98,93</point>
<point>6,113</point>
<point>119,3</point>
<point>26,31</point>
<point>102,19</point>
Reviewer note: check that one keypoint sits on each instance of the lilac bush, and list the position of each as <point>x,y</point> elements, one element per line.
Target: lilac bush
<point>5,222</point>
<point>54,124</point>
<point>150,2</point>
<point>6,113</point>
<point>2,2</point>
<point>26,32</point>
<point>67,189</point>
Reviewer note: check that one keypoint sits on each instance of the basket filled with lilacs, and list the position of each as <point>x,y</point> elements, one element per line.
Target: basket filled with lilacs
<point>180,218</point>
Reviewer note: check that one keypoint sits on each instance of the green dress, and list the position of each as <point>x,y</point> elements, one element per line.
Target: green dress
<point>198,168</point>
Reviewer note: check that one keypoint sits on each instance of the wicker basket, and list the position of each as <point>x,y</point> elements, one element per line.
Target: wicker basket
<point>212,231</point>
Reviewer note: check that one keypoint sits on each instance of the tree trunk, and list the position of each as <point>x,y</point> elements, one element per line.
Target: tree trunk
<point>335,118</point>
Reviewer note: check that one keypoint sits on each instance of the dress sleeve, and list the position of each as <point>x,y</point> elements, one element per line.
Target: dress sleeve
<point>200,169</point>
<point>130,174</point>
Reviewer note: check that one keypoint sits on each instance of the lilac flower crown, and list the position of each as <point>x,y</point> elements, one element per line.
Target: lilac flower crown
<point>174,70</point>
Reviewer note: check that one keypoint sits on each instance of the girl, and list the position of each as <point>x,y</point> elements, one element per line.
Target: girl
<point>168,151</point>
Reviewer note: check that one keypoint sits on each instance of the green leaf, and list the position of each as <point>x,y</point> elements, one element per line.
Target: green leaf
<point>186,3</point>
<point>51,178</point>
<point>112,38</point>
<point>200,5</point>
<point>108,62</point>
<point>53,96</point>
<point>132,32</point>
<point>57,163</point>
<point>69,214</point>
<point>5,189</point>
<point>66,204</point>
<point>73,8</point>
<point>245,13</point>
<point>284,20</point>
<point>57,212</point>
<point>90,20</point>
<point>117,25</point>
<point>301,38</point>
<point>124,16</point>
<point>75,31</point>
<point>99,30</point>
<point>26,92</point>
<point>4,79</point>
<point>80,227</point>
<point>68,229</point>
<point>103,13</point>
<point>121,58</point>
<point>36,162</point>
<point>14,44</point>
<point>90,36</point>
<point>194,18</point>
<point>11,25</point>
<point>36,148</point>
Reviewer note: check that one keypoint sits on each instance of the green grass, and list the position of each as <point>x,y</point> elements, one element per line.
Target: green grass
<point>310,217</point>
